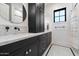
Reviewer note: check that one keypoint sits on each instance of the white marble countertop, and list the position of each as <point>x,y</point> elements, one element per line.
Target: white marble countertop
<point>13,38</point>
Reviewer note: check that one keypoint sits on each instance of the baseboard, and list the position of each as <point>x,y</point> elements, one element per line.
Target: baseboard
<point>63,45</point>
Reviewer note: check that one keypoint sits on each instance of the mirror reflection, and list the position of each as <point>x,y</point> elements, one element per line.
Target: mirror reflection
<point>16,12</point>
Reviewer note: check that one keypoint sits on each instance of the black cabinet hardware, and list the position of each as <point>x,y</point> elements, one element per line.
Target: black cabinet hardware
<point>7,28</point>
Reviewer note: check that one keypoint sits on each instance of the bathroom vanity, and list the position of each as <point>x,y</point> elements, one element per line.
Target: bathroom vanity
<point>25,44</point>
<point>17,41</point>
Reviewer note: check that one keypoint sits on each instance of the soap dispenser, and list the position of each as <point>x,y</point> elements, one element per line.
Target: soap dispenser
<point>47,26</point>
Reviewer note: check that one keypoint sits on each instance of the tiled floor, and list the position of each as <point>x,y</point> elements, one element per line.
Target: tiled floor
<point>76,51</point>
<point>59,51</point>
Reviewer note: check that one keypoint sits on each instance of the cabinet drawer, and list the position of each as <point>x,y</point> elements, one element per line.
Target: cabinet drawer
<point>30,50</point>
<point>10,48</point>
<point>44,41</point>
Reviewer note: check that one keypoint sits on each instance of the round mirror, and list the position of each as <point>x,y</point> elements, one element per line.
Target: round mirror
<point>24,13</point>
<point>18,13</point>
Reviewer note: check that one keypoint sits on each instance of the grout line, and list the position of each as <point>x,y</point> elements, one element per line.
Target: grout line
<point>48,50</point>
<point>72,52</point>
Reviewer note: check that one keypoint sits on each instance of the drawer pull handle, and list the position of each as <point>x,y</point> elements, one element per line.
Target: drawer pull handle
<point>27,52</point>
<point>30,50</point>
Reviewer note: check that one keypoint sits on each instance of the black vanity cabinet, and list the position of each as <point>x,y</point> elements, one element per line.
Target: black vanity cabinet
<point>34,46</point>
<point>36,17</point>
<point>44,42</point>
<point>20,48</point>
<point>27,50</point>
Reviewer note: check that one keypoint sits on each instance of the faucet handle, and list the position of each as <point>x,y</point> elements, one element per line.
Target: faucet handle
<point>7,28</point>
<point>16,28</point>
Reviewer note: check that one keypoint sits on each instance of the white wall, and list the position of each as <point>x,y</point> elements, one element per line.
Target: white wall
<point>61,35</point>
<point>48,17</point>
<point>75,26</point>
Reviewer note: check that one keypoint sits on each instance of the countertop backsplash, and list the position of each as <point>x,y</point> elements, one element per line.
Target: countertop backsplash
<point>9,30</point>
